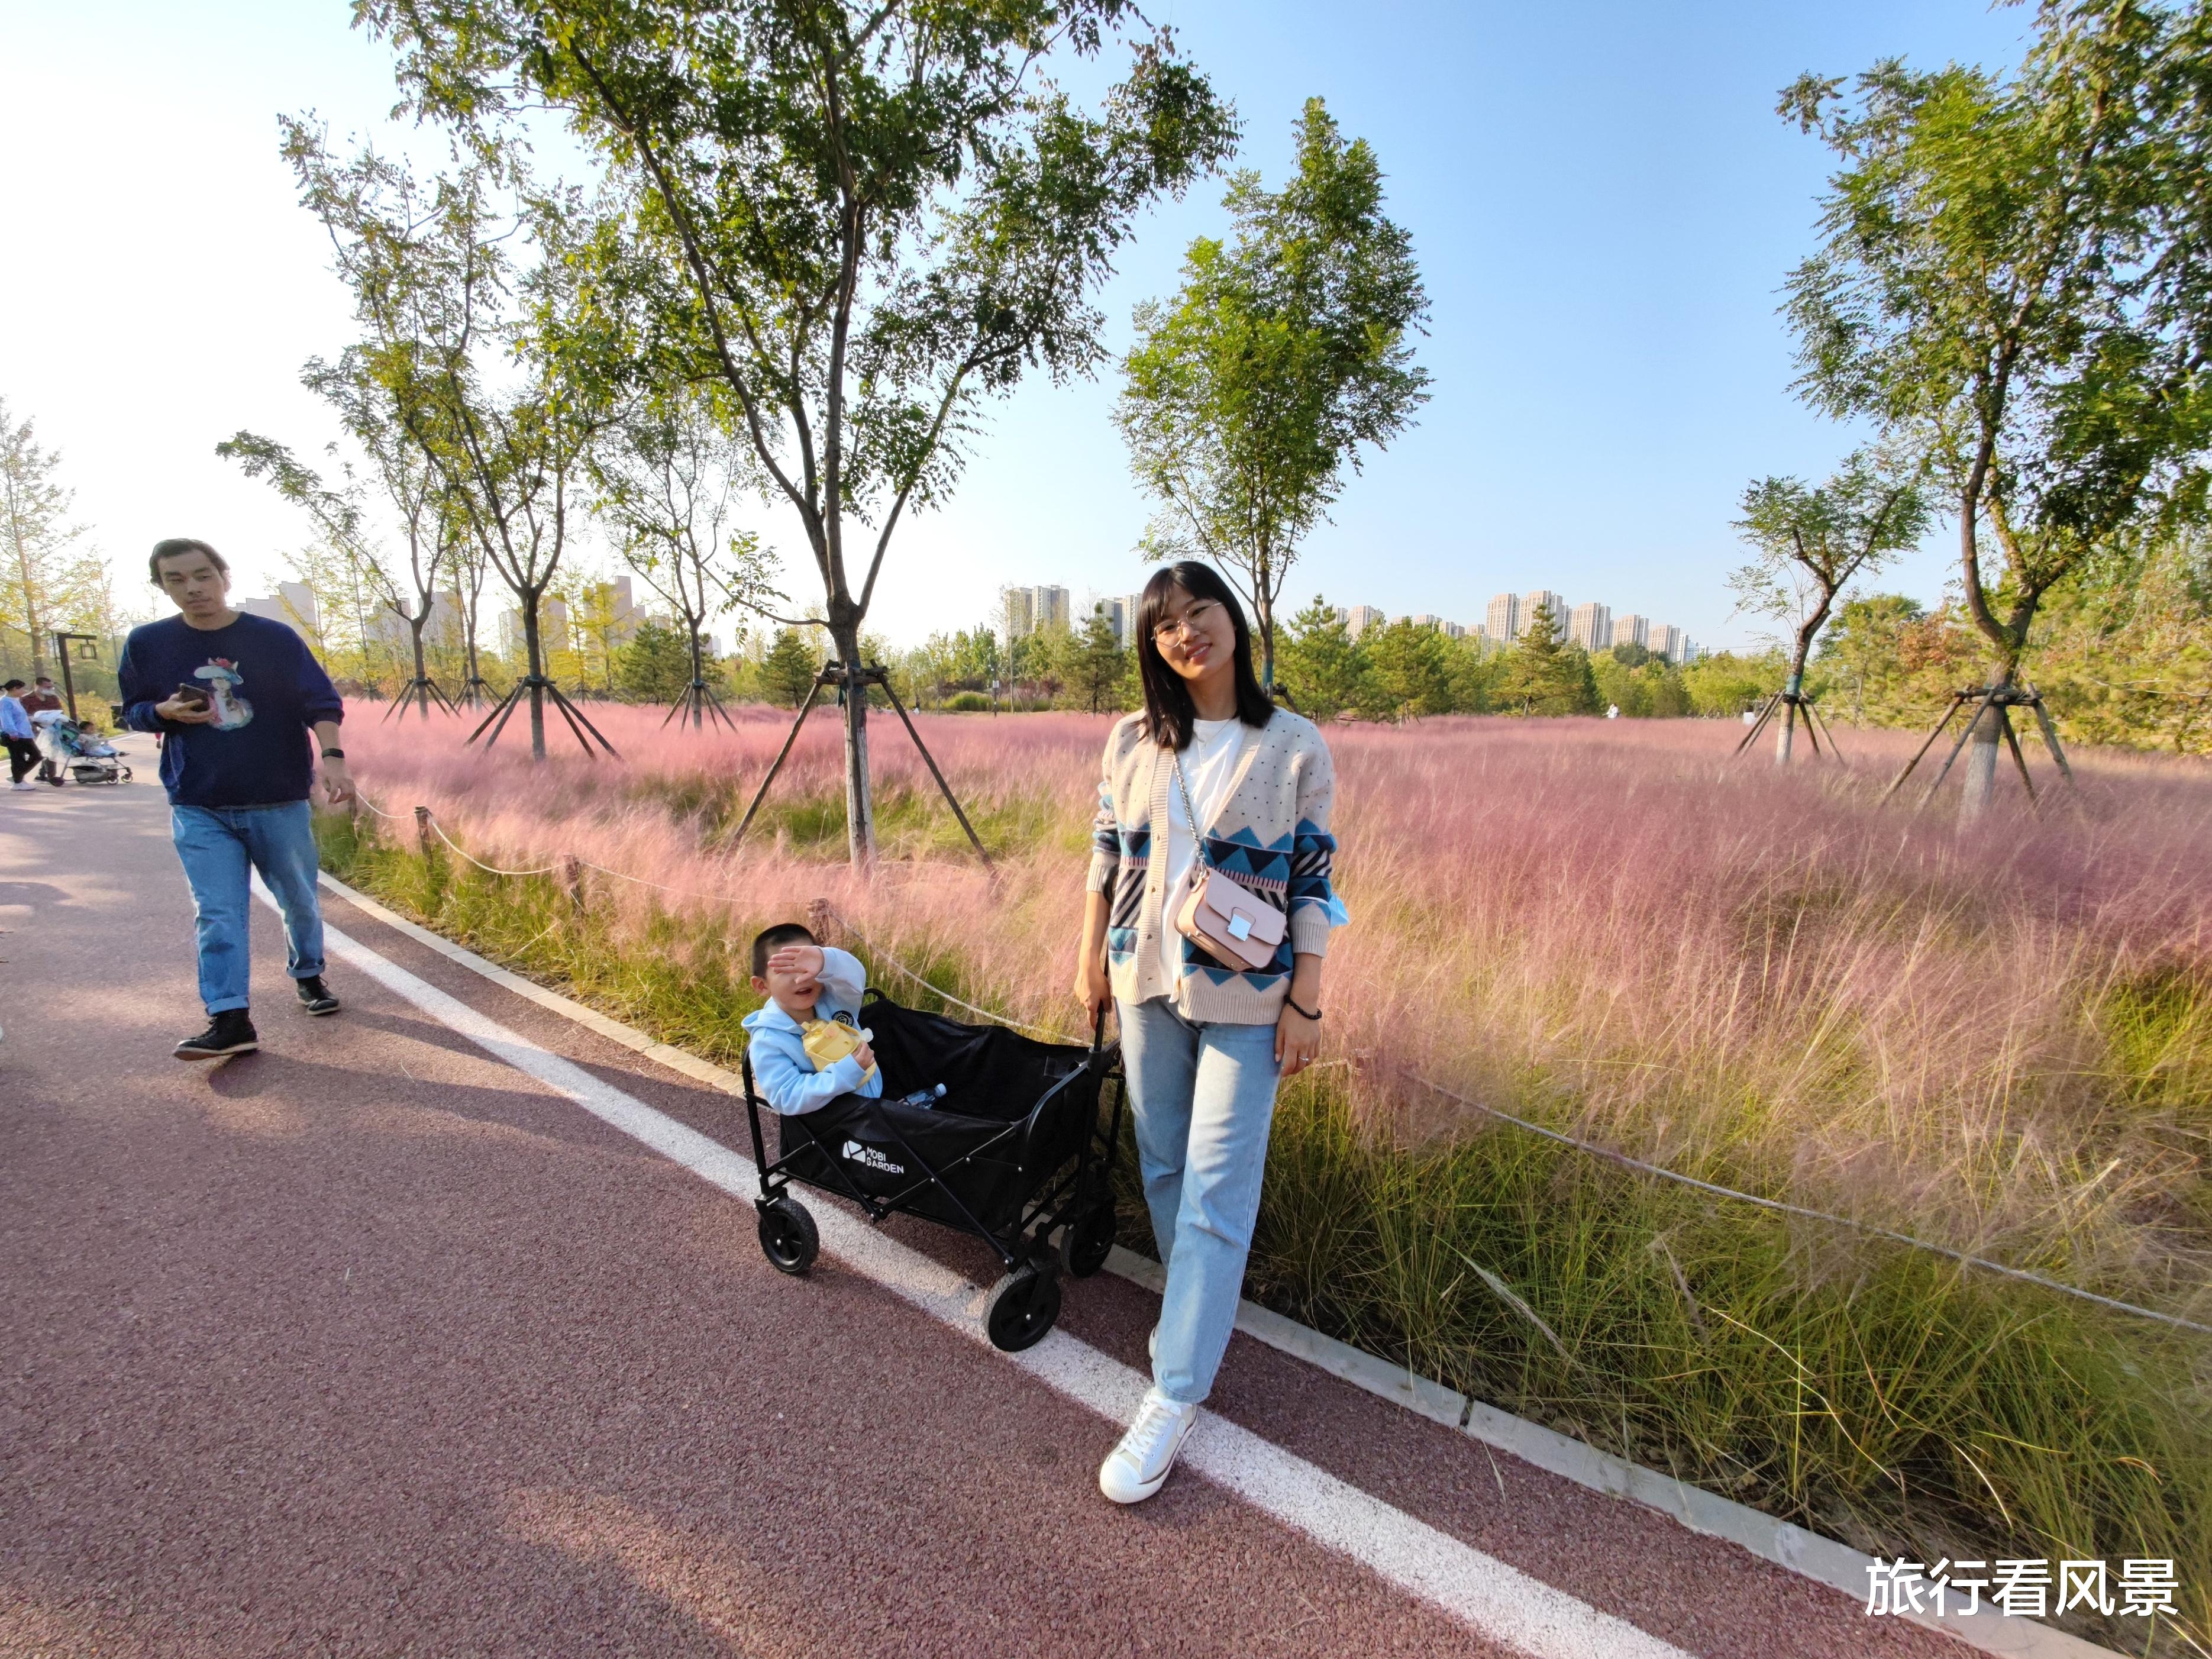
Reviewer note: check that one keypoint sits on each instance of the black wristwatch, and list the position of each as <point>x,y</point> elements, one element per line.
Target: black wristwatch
<point>333,754</point>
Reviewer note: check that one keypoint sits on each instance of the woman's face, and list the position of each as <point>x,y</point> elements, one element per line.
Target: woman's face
<point>1197,638</point>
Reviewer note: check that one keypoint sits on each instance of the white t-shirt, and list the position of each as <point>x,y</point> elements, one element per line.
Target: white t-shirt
<point>1208,766</point>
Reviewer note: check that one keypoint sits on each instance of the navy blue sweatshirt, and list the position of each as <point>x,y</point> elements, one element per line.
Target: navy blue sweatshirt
<point>269,691</point>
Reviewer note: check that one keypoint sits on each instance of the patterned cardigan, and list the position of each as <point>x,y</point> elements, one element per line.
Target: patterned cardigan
<point>1271,836</point>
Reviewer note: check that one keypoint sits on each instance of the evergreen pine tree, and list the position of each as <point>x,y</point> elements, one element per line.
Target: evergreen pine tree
<point>786,674</point>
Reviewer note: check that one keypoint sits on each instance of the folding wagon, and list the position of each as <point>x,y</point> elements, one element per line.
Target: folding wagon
<point>1014,1152</point>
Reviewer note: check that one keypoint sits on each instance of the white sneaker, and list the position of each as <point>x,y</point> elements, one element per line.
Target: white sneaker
<point>1138,1466</point>
<point>25,784</point>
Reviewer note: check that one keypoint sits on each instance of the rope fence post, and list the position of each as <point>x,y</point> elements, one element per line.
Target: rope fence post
<point>422,830</point>
<point>572,875</point>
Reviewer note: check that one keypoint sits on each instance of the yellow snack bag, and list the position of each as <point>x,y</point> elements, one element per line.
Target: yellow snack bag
<point>828,1042</point>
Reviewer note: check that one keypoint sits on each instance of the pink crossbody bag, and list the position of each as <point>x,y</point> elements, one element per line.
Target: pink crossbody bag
<point>1230,922</point>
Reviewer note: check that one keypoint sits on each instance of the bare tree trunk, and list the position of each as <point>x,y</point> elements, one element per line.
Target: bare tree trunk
<point>537,673</point>
<point>1982,765</point>
<point>1786,734</point>
<point>1267,608</point>
<point>859,807</point>
<point>421,676</point>
<point>698,679</point>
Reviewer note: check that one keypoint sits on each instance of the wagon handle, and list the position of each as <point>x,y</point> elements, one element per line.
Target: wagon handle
<point>1098,1031</point>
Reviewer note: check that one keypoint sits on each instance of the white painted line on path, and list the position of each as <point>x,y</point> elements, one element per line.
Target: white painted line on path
<point>1499,1600</point>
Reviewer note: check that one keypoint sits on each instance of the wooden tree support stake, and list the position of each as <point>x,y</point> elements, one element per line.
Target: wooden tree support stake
<point>423,692</point>
<point>856,682</point>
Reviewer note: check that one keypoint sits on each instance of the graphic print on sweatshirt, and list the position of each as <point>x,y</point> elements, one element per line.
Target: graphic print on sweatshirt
<point>231,710</point>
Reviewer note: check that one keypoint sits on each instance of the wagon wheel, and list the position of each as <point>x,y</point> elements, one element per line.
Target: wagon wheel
<point>1024,1305</point>
<point>1089,1239</point>
<point>788,1236</point>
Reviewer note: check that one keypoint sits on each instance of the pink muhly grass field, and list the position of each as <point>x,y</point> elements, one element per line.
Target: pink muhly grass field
<point>1752,974</point>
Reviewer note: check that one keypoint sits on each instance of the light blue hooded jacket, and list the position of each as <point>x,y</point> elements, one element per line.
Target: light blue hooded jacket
<point>786,1077</point>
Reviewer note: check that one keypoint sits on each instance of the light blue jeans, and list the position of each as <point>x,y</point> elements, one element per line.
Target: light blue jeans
<point>1203,1099</point>
<point>218,845</point>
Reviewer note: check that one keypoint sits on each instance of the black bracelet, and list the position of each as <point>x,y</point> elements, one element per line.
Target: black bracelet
<point>1313,1014</point>
<point>333,754</point>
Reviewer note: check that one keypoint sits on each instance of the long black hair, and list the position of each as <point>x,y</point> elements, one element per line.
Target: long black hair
<point>1169,710</point>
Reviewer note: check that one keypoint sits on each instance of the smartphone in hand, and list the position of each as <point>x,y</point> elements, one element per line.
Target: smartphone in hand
<point>195,694</point>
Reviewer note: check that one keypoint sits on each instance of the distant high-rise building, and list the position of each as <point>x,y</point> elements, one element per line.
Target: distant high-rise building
<point>1028,609</point>
<point>294,605</point>
<point>1545,597</point>
<point>447,622</point>
<point>1591,626</point>
<point>1667,640</point>
<point>1427,619</point>
<point>1632,629</point>
<point>1121,613</point>
<point>1503,622</point>
<point>1361,618</point>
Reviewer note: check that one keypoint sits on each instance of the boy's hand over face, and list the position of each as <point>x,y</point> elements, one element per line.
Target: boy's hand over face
<point>802,961</point>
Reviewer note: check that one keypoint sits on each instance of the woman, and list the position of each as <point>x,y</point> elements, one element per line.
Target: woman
<point>1204,1043</point>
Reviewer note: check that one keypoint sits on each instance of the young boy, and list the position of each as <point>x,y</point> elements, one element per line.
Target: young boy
<point>804,982</point>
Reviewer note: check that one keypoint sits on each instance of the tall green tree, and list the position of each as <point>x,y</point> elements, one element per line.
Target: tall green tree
<point>2015,274</point>
<point>1247,396</point>
<point>481,335</point>
<point>1322,669</point>
<point>1861,655</point>
<point>1096,667</point>
<point>47,569</point>
<point>669,479</point>
<point>1543,674</point>
<point>1812,542</point>
<point>1408,671</point>
<point>786,674</point>
<point>860,221</point>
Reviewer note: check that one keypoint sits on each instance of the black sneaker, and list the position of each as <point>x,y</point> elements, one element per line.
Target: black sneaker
<point>231,1033</point>
<point>315,996</point>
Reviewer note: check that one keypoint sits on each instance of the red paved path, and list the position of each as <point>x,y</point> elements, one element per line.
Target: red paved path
<point>370,1344</point>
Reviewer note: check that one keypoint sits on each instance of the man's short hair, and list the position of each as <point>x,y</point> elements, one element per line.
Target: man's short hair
<point>175,548</point>
<point>769,941</point>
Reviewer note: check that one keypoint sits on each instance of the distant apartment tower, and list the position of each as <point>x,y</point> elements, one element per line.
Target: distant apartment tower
<point>1667,640</point>
<point>1591,626</point>
<point>552,628</point>
<point>1501,622</point>
<point>294,605</point>
<point>1632,629</point>
<point>1555,603</point>
<point>1029,609</point>
<point>1361,618</point>
<point>1121,613</point>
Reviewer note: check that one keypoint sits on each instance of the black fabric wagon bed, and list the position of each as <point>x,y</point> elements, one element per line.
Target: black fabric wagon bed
<point>1014,1153</point>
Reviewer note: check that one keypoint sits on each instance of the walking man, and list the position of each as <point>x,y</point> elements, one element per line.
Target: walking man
<point>234,697</point>
<point>16,732</point>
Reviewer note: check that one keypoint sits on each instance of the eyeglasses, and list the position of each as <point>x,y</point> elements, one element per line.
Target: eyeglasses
<point>1192,622</point>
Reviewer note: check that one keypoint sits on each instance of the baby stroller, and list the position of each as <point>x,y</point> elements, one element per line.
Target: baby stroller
<point>68,748</point>
<point>1012,1152</point>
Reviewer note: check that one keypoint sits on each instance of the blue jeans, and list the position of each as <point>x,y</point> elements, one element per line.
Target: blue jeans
<point>1203,1099</point>
<point>218,844</point>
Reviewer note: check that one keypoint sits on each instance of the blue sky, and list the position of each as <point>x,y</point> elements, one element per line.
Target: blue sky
<point>1602,200</point>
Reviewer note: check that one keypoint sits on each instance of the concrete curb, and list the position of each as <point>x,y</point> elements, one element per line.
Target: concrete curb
<point>1806,1554</point>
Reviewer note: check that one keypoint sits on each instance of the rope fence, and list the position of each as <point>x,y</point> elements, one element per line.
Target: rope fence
<point>1964,1258</point>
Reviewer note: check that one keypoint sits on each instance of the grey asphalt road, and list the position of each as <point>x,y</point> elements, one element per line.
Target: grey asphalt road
<point>371,1343</point>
